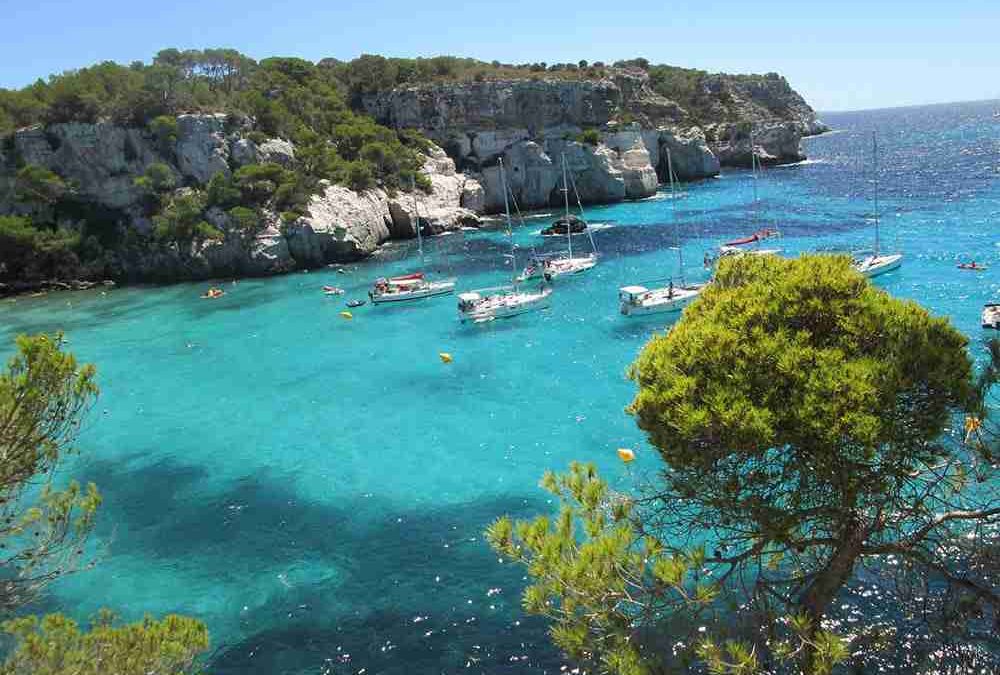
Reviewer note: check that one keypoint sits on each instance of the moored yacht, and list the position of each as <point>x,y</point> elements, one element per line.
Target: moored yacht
<point>875,262</point>
<point>563,264</point>
<point>415,286</point>
<point>487,304</point>
<point>639,300</point>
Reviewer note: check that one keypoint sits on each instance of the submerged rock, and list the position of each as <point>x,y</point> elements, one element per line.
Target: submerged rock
<point>568,223</point>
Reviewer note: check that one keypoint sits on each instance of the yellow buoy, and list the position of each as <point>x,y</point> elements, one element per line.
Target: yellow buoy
<point>972,425</point>
<point>445,357</point>
<point>626,455</point>
<point>347,315</point>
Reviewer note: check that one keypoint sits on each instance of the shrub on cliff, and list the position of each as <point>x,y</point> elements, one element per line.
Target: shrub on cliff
<point>30,252</point>
<point>803,419</point>
<point>157,178</point>
<point>588,137</point>
<point>37,186</point>
<point>182,220</point>
<point>164,128</point>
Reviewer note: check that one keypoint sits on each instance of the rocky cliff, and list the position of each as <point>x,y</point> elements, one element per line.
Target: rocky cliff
<point>612,128</point>
<point>102,161</point>
<point>532,123</point>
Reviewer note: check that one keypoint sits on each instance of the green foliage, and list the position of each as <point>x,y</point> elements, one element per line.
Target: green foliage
<point>182,220</point>
<point>164,128</point>
<point>56,646</point>
<point>780,354</point>
<point>685,86</point>
<point>222,191</point>
<point>259,182</point>
<point>157,178</point>
<point>620,599</point>
<point>801,416</point>
<point>588,137</point>
<point>245,220</point>
<point>38,186</point>
<point>28,252</point>
<point>593,574</point>
<point>43,394</point>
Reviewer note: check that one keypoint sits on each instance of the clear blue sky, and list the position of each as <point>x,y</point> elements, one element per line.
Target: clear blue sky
<point>840,54</point>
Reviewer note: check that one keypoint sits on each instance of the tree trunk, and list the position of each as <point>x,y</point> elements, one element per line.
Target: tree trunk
<point>827,583</point>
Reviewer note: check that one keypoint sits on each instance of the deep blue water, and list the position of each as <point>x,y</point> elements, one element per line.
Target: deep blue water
<point>316,488</point>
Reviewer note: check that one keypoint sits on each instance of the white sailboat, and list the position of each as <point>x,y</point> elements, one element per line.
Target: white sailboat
<point>991,316</point>
<point>874,263</point>
<point>566,264</point>
<point>415,286</point>
<point>638,300</point>
<point>487,304</point>
<point>735,246</point>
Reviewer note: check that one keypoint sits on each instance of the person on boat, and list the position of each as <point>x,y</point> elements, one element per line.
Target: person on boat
<point>670,289</point>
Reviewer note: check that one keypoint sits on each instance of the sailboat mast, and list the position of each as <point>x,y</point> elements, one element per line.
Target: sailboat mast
<point>569,230</point>
<point>753,173</point>
<point>510,228</point>
<point>583,216</point>
<point>416,219</point>
<point>673,217</point>
<point>875,180</point>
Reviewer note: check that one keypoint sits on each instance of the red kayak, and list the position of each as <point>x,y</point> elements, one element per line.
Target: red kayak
<point>971,266</point>
<point>408,277</point>
<point>756,236</point>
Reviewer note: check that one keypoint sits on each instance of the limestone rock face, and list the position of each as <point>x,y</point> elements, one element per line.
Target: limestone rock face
<point>439,211</point>
<point>633,160</point>
<point>602,174</point>
<point>689,154</point>
<point>243,151</point>
<point>241,254</point>
<point>101,159</point>
<point>276,151</point>
<point>340,225</point>
<point>477,122</point>
<point>776,143</point>
<point>201,148</point>
<point>473,196</point>
<point>515,104</point>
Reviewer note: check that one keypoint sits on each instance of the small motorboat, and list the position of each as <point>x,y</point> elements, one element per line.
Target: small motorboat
<point>974,266</point>
<point>355,303</point>
<point>213,293</point>
<point>991,316</point>
<point>332,290</point>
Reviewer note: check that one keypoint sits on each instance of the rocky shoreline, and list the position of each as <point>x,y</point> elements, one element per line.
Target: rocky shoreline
<point>614,135</point>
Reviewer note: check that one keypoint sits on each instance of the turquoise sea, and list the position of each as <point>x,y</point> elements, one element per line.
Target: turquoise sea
<point>315,488</point>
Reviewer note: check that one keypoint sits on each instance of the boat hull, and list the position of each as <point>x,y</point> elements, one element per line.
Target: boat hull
<point>560,267</point>
<point>530,303</point>
<point>660,302</point>
<point>876,265</point>
<point>990,318</point>
<point>432,290</point>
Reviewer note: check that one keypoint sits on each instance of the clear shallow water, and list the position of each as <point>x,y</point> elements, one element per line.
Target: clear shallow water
<point>316,488</point>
